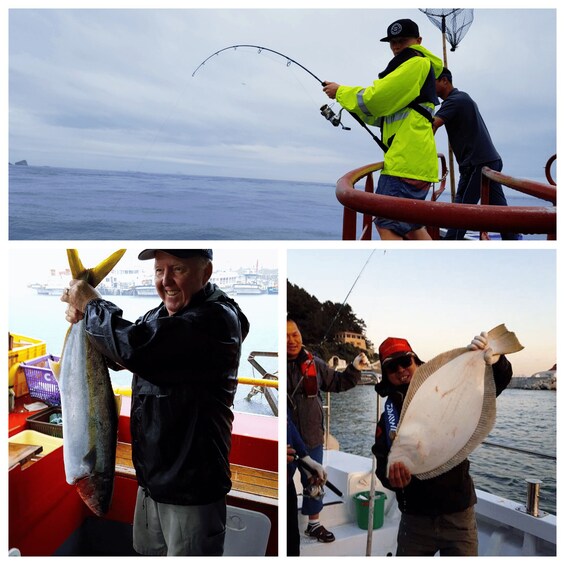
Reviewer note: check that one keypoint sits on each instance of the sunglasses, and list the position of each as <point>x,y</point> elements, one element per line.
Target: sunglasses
<point>394,364</point>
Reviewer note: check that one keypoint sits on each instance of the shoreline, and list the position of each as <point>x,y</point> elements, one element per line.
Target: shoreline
<point>546,380</point>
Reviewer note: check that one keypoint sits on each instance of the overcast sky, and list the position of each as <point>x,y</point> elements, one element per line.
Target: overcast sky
<point>112,89</point>
<point>440,299</point>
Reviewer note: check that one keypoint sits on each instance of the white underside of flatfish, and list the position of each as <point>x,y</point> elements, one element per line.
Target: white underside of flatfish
<point>450,407</point>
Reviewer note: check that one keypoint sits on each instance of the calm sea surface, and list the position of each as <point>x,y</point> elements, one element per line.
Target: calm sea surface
<point>525,420</point>
<point>43,317</point>
<point>48,203</point>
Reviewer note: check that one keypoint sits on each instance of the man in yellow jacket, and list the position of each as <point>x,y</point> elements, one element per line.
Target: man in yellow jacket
<point>401,102</point>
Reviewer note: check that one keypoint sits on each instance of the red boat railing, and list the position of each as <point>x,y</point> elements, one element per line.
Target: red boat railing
<point>479,217</point>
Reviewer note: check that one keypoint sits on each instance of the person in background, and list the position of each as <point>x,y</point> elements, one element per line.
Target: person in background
<point>472,146</point>
<point>401,102</point>
<point>296,448</point>
<point>437,514</point>
<point>307,377</point>
<point>184,355</point>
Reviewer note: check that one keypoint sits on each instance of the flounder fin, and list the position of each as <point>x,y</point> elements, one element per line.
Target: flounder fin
<point>484,426</point>
<point>503,341</point>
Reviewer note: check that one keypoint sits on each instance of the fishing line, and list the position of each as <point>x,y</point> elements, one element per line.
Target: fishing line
<point>325,110</point>
<point>342,305</point>
<point>290,395</point>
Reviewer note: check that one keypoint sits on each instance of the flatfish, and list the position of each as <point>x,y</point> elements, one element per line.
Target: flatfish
<point>450,407</point>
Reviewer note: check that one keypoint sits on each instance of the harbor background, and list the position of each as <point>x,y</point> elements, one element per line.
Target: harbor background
<point>525,420</point>
<point>43,317</point>
<point>109,205</point>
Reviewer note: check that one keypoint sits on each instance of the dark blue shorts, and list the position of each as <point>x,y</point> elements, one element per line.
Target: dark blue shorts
<point>395,186</point>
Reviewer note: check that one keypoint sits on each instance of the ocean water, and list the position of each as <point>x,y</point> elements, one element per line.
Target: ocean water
<point>525,420</point>
<point>43,317</point>
<point>49,203</point>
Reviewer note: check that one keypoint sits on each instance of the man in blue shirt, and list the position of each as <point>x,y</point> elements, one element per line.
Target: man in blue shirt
<point>471,144</point>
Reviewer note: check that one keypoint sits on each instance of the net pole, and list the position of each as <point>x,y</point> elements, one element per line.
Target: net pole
<point>449,150</point>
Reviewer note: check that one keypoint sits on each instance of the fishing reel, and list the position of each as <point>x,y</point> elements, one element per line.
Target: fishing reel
<point>331,116</point>
<point>316,492</point>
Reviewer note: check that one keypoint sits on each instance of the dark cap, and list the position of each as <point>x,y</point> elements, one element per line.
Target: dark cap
<point>180,253</point>
<point>445,73</point>
<point>401,28</point>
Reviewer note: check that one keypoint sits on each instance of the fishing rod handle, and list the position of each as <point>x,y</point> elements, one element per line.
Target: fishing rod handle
<point>304,465</point>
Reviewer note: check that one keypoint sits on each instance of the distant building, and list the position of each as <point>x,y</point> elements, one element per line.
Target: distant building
<point>355,339</point>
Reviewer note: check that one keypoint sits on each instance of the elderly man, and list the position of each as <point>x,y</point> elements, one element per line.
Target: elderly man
<point>184,357</point>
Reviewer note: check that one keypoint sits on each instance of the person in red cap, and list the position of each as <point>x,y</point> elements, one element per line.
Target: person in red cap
<point>438,514</point>
<point>307,377</point>
<point>184,355</point>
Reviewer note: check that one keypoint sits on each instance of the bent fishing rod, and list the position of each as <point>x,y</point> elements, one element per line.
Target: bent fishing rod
<point>325,110</point>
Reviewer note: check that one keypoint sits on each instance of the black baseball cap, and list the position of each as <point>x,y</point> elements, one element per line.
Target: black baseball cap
<point>180,253</point>
<point>445,73</point>
<point>401,28</point>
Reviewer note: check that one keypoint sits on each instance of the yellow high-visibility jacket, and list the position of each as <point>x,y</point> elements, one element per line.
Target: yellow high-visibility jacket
<point>409,136</point>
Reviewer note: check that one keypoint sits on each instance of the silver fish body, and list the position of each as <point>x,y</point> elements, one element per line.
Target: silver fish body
<point>90,420</point>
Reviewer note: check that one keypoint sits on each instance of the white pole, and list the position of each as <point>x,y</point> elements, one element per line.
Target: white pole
<point>371,507</point>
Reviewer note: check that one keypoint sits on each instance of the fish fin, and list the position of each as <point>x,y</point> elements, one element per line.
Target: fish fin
<point>503,341</point>
<point>118,401</point>
<point>98,274</point>
<point>90,458</point>
<point>77,268</point>
<point>484,426</point>
<point>55,367</point>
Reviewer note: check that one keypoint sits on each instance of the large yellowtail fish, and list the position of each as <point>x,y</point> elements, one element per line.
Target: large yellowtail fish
<point>450,407</point>
<point>88,405</point>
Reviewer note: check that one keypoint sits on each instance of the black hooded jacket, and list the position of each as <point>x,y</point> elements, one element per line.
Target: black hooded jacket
<point>184,383</point>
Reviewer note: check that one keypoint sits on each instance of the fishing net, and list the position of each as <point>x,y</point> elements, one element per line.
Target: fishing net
<point>453,22</point>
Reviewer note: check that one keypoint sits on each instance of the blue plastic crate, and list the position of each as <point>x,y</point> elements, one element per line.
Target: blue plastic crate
<point>40,380</point>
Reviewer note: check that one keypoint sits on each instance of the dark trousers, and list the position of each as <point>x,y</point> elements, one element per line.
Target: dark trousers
<point>451,534</point>
<point>292,531</point>
<point>469,192</point>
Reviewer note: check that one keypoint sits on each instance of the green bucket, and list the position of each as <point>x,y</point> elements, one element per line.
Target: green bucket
<point>361,500</point>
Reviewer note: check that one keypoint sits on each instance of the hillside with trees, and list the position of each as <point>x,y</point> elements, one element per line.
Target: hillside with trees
<point>318,323</point>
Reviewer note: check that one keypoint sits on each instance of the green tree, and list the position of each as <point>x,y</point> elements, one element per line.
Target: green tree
<point>319,322</point>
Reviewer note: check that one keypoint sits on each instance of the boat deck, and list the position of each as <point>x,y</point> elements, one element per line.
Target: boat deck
<point>504,528</point>
<point>39,495</point>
